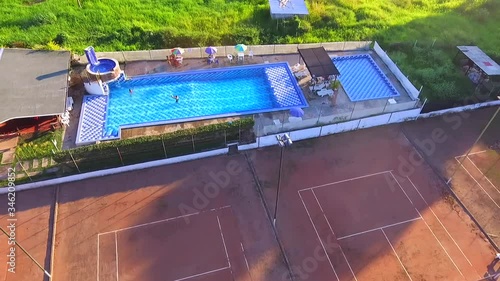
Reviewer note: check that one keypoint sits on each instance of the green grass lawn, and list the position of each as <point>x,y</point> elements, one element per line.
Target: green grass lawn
<point>40,146</point>
<point>143,24</point>
<point>154,24</point>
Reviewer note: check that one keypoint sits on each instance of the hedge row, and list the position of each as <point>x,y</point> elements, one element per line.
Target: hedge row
<point>220,133</point>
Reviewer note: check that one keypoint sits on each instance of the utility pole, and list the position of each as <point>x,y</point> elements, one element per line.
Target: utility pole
<point>26,252</point>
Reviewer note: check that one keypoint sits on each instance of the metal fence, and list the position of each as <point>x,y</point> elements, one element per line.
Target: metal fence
<point>88,159</point>
<point>325,114</point>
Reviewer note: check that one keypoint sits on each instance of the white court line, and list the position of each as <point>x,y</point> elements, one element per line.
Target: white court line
<point>200,274</point>
<point>484,176</point>
<point>224,243</point>
<point>429,227</point>
<point>317,234</point>
<point>331,229</point>
<point>378,228</point>
<point>404,193</point>
<point>351,179</point>
<point>164,220</point>
<point>413,146</point>
<point>396,254</point>
<point>97,257</point>
<point>116,253</point>
<point>487,194</point>
<point>246,261</point>
<point>428,206</point>
<point>472,153</point>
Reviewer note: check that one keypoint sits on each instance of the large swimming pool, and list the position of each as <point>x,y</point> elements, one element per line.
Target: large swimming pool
<point>202,94</point>
<point>362,79</point>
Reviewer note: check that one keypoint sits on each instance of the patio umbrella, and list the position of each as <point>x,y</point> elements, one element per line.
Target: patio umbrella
<point>240,47</point>
<point>297,112</point>
<point>177,51</point>
<point>211,50</point>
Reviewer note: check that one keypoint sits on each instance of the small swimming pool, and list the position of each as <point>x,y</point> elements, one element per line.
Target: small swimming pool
<point>362,79</point>
<point>105,65</point>
<point>203,94</point>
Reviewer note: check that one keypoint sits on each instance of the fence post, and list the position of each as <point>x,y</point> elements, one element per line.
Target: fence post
<point>24,170</point>
<point>319,115</point>
<point>119,154</point>
<point>352,112</point>
<point>74,162</point>
<point>192,140</point>
<point>239,132</point>
<point>164,149</point>
<point>385,106</point>
<point>283,123</point>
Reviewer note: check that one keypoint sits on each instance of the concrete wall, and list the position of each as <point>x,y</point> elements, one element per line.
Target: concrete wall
<point>374,121</point>
<point>460,109</point>
<point>222,51</point>
<point>402,116</point>
<point>340,127</point>
<point>305,134</point>
<point>397,72</point>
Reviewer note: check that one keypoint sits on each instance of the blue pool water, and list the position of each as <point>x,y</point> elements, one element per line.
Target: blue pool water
<point>203,94</point>
<point>105,65</point>
<point>362,79</point>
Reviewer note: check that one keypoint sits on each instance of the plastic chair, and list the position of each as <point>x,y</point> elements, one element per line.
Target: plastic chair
<point>241,57</point>
<point>230,58</point>
<point>250,54</point>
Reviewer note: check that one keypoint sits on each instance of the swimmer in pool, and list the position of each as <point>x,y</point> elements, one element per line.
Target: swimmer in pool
<point>176,98</point>
<point>130,91</point>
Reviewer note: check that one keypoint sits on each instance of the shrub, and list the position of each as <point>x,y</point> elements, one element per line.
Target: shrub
<point>61,39</point>
<point>169,139</point>
<point>50,46</point>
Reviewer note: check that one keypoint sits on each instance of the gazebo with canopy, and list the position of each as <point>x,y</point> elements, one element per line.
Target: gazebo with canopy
<point>319,63</point>
<point>480,68</point>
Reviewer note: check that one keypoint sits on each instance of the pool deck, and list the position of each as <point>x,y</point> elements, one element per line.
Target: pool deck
<point>321,110</point>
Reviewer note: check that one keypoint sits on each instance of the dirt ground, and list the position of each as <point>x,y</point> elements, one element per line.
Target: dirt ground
<point>370,202</point>
<point>32,231</point>
<point>444,140</point>
<point>202,219</point>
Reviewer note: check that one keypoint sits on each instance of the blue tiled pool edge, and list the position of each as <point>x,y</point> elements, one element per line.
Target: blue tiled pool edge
<point>294,83</point>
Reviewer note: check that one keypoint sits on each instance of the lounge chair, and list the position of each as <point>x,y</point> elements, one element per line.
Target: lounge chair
<point>301,74</point>
<point>325,92</point>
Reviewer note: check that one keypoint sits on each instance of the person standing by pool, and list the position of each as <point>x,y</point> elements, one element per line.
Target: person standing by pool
<point>176,98</point>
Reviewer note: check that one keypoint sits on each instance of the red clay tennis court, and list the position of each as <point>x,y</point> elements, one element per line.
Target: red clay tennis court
<point>482,168</point>
<point>136,226</point>
<point>365,206</point>
<point>202,246</point>
<point>384,216</point>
